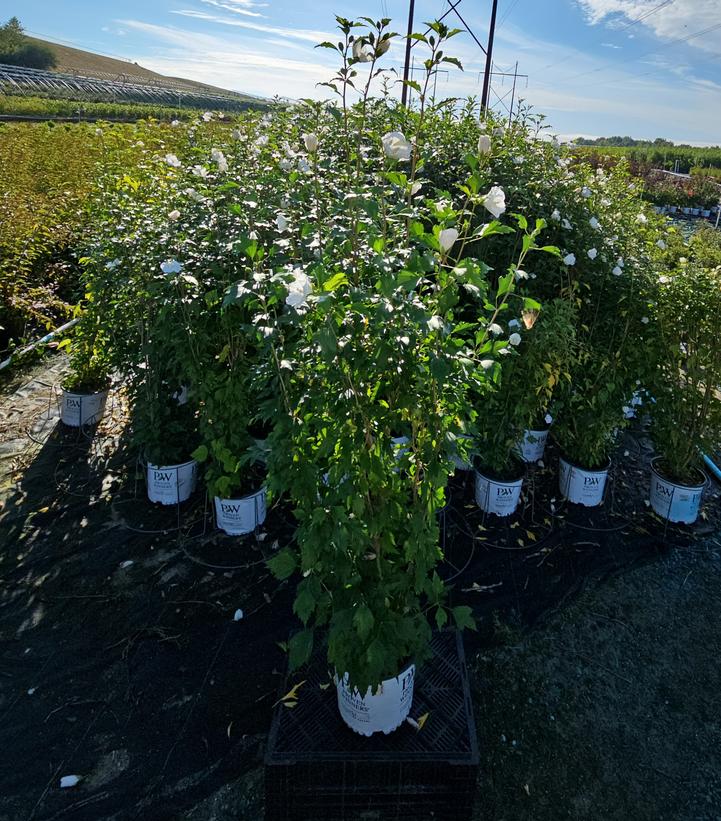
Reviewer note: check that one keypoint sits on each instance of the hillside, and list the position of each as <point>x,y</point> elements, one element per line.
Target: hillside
<point>77,61</point>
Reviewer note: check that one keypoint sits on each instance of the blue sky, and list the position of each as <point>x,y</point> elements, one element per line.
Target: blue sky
<point>646,68</point>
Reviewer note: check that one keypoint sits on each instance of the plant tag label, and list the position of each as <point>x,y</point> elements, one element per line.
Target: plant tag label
<point>532,446</point>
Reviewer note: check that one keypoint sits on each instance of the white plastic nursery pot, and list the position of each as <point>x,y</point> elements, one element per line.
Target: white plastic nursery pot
<point>676,503</point>
<point>172,484</point>
<point>237,517</point>
<point>79,409</point>
<point>533,445</point>
<point>497,496</point>
<point>580,486</point>
<point>381,711</point>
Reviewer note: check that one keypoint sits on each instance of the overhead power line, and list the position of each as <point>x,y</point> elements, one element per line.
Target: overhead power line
<point>508,11</point>
<point>629,25</point>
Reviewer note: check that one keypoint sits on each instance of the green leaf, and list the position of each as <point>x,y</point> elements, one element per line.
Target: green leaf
<point>283,564</point>
<point>305,602</point>
<point>453,60</point>
<point>550,249</point>
<point>441,617</point>
<point>335,281</point>
<point>363,621</point>
<point>300,647</point>
<point>200,454</point>
<point>505,284</point>
<point>464,618</point>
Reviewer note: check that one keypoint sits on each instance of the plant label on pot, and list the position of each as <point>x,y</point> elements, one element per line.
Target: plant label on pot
<point>379,711</point>
<point>239,516</point>
<point>582,487</point>
<point>531,448</point>
<point>79,409</point>
<point>496,496</point>
<point>171,484</point>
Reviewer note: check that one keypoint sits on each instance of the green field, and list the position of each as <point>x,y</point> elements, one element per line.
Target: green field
<point>666,157</point>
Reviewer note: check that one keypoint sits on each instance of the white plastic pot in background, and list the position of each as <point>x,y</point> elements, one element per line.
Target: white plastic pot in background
<point>79,409</point>
<point>677,503</point>
<point>172,484</point>
<point>239,516</point>
<point>531,448</point>
<point>400,446</point>
<point>582,487</point>
<point>381,711</point>
<point>181,395</point>
<point>495,496</point>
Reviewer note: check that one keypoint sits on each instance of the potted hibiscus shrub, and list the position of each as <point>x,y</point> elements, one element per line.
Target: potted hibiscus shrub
<point>514,417</point>
<point>367,530</point>
<point>164,417</point>
<point>371,360</point>
<point>686,411</point>
<point>85,388</point>
<point>607,271</point>
<point>164,430</point>
<point>229,362</point>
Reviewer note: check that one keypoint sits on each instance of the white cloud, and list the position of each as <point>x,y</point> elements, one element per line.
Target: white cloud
<point>238,62</point>
<point>308,35</point>
<point>237,7</point>
<point>675,19</point>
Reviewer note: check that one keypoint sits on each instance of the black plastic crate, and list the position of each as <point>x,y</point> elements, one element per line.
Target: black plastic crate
<point>318,769</point>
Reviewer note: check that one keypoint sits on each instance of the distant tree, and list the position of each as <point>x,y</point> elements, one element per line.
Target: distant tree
<point>11,36</point>
<point>30,55</point>
<point>17,50</point>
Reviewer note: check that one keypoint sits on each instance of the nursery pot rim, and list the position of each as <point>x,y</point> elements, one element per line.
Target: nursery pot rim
<point>520,475</point>
<point>88,394</point>
<point>404,667</point>
<point>154,466</point>
<point>655,469</point>
<point>585,470</point>
<point>250,495</point>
